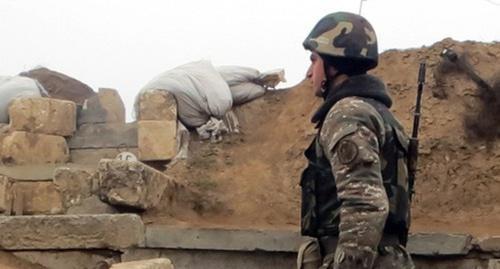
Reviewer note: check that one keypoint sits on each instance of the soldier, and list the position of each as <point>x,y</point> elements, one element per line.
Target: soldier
<point>355,191</point>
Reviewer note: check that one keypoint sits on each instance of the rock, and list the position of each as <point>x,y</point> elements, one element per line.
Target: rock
<point>91,205</point>
<point>157,105</point>
<point>105,107</point>
<point>131,184</point>
<point>104,135</point>
<point>29,148</point>
<point>5,195</point>
<point>43,116</point>
<point>160,263</point>
<point>434,244</point>
<point>157,140</point>
<point>117,231</point>
<point>73,184</point>
<point>60,86</point>
<point>37,197</point>
<point>489,244</point>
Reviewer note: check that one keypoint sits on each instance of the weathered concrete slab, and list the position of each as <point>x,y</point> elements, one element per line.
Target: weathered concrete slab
<point>489,244</point>
<point>6,194</point>
<point>131,183</point>
<point>107,135</point>
<point>36,198</point>
<point>70,259</point>
<point>222,239</point>
<point>157,105</point>
<point>115,232</point>
<point>159,263</point>
<point>433,244</point>
<point>217,259</point>
<point>29,148</point>
<point>157,140</point>
<point>43,116</point>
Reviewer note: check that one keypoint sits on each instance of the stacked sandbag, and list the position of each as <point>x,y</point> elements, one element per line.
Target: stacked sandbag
<point>12,87</point>
<point>60,86</point>
<point>247,84</point>
<point>199,90</point>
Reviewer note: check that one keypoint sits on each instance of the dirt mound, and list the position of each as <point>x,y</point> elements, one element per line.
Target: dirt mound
<point>60,86</point>
<point>251,179</point>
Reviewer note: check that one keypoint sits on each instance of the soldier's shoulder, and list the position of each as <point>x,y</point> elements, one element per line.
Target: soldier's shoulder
<point>353,109</point>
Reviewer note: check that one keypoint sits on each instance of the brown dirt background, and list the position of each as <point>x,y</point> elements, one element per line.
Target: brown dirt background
<point>251,179</point>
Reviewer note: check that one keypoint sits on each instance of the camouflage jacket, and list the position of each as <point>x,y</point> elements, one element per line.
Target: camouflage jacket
<point>355,206</point>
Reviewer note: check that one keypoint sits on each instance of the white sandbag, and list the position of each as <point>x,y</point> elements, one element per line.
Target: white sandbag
<point>199,90</point>
<point>272,78</point>
<point>246,92</point>
<point>235,75</point>
<point>12,87</point>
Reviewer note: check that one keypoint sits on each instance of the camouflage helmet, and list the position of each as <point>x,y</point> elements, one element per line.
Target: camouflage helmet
<point>347,36</point>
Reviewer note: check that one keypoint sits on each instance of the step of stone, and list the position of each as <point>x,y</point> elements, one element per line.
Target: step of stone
<point>115,231</point>
<point>222,239</point>
<point>434,244</point>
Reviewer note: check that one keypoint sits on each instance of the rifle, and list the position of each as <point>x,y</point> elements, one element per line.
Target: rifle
<point>413,145</point>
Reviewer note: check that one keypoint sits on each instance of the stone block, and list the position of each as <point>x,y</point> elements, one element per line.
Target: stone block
<point>37,197</point>
<point>494,264</point>
<point>5,195</point>
<point>104,107</point>
<point>131,184</point>
<point>158,236</point>
<point>157,105</point>
<point>91,205</point>
<point>29,148</point>
<point>104,135</point>
<point>157,140</point>
<point>160,263</point>
<point>70,259</point>
<point>435,244</point>
<point>489,244</point>
<point>117,231</point>
<point>43,116</point>
<point>74,185</point>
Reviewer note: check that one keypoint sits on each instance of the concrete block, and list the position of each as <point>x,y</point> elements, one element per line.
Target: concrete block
<point>222,239</point>
<point>6,194</point>
<point>37,197</point>
<point>131,184</point>
<point>103,135</point>
<point>104,107</point>
<point>434,244</point>
<point>160,263</point>
<point>117,231</point>
<point>157,105</point>
<point>73,184</point>
<point>29,148</point>
<point>91,205</point>
<point>157,140</point>
<point>43,116</point>
<point>489,244</point>
<point>70,259</point>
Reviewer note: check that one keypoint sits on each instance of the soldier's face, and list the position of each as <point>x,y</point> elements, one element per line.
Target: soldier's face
<point>316,74</point>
